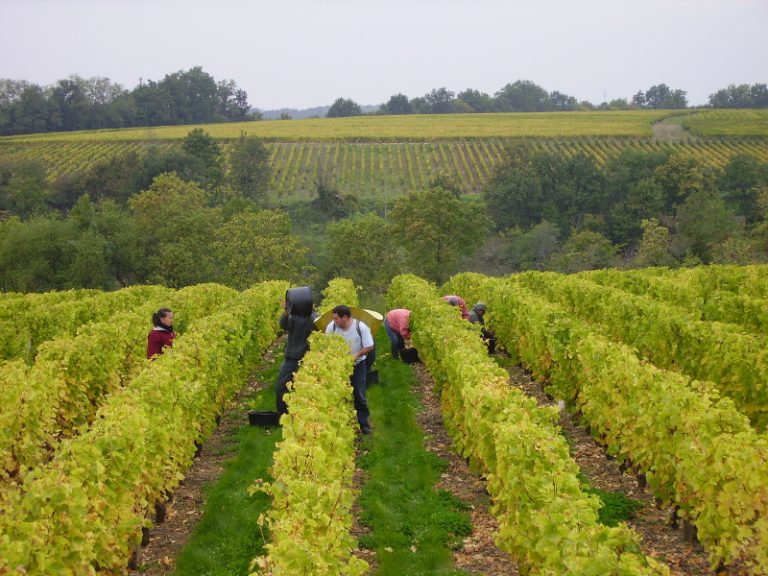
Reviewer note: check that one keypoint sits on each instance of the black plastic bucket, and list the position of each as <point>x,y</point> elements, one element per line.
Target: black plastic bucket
<point>372,377</point>
<point>299,301</point>
<point>256,418</point>
<point>409,355</point>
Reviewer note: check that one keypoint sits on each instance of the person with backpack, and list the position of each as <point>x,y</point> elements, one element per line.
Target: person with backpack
<point>360,341</point>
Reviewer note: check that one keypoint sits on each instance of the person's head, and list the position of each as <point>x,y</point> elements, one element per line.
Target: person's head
<point>163,318</point>
<point>453,301</point>
<point>342,316</point>
<point>480,308</point>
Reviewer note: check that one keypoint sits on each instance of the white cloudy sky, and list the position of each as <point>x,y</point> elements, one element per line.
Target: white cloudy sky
<point>303,53</point>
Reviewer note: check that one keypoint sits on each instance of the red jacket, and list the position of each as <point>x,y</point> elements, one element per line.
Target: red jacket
<point>157,340</point>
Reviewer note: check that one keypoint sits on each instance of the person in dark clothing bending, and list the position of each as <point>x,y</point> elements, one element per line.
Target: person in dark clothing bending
<point>477,316</point>
<point>299,328</point>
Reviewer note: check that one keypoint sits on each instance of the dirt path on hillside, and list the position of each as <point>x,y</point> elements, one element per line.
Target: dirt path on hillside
<point>671,130</point>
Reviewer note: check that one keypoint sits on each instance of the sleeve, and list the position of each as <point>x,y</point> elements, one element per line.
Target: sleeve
<point>329,328</point>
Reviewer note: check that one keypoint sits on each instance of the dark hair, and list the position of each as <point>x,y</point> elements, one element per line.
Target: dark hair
<point>159,315</point>
<point>342,310</point>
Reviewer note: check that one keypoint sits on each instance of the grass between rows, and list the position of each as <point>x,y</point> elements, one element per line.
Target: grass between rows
<point>414,526</point>
<point>227,537</point>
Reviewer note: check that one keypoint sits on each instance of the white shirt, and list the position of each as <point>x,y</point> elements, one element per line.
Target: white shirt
<point>356,339</point>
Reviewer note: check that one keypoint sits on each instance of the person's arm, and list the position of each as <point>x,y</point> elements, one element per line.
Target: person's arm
<point>366,340</point>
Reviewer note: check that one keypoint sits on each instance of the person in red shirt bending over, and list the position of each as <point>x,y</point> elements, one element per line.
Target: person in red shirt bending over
<point>162,334</point>
<point>396,324</point>
<point>454,300</point>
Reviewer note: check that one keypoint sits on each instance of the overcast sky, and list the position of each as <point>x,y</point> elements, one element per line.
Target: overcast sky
<point>305,53</point>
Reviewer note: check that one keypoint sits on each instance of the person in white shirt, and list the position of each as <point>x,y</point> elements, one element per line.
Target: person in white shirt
<point>360,340</point>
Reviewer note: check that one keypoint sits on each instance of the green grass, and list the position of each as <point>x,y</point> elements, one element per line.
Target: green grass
<point>616,507</point>
<point>227,537</point>
<point>414,526</point>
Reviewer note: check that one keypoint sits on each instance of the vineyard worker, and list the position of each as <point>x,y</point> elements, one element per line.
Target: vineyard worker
<point>476,316</point>
<point>360,340</point>
<point>162,334</point>
<point>454,300</point>
<point>396,324</point>
<point>298,328</point>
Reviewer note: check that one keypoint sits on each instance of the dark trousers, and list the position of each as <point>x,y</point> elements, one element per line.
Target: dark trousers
<point>287,368</point>
<point>358,393</point>
<point>397,341</point>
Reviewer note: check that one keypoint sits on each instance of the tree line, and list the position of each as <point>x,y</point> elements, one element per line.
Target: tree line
<point>188,214</point>
<point>526,96</point>
<point>195,97</point>
<point>184,97</point>
<point>642,208</point>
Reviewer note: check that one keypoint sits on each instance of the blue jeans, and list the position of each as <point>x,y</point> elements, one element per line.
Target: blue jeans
<point>287,368</point>
<point>358,393</point>
<point>398,343</point>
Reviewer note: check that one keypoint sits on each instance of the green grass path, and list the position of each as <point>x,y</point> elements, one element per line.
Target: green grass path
<point>413,526</point>
<point>227,537</point>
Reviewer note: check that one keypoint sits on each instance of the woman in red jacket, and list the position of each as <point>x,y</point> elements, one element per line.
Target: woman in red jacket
<point>162,334</point>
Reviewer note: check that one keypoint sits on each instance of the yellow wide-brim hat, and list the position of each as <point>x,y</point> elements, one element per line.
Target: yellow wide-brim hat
<point>373,319</point>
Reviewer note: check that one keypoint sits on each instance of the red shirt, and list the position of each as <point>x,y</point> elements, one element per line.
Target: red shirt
<point>398,321</point>
<point>157,340</point>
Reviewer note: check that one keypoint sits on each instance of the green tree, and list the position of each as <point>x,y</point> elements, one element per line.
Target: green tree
<point>24,188</point>
<point>645,199</point>
<point>522,96</point>
<point>585,250</point>
<point>532,249</point>
<point>363,249</point>
<point>440,101</point>
<point>703,221</point>
<point>176,228</point>
<point>680,176</point>
<point>205,159</point>
<point>514,194</point>
<point>35,255</point>
<point>124,249</point>
<point>250,169</point>
<point>660,96</point>
<point>258,246</point>
<point>654,248</point>
<point>476,100</point>
<point>343,107</point>
<point>89,267</point>
<point>741,96</point>
<point>397,104</point>
<point>739,182</point>
<point>436,228</point>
